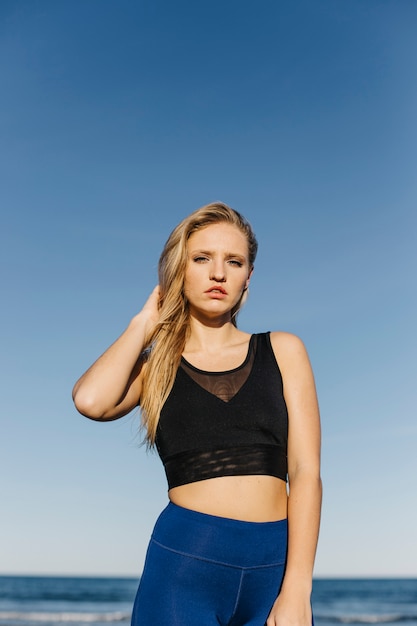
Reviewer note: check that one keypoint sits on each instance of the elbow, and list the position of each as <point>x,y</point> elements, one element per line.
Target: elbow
<point>308,475</point>
<point>87,405</point>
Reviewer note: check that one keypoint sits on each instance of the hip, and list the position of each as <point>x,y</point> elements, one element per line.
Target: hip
<point>222,540</point>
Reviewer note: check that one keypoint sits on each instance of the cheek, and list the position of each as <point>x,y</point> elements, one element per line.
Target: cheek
<point>244,282</point>
<point>189,281</point>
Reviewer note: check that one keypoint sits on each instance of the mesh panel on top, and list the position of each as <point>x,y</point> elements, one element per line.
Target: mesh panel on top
<point>224,385</point>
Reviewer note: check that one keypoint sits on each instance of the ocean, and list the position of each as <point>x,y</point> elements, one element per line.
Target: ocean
<point>53,601</point>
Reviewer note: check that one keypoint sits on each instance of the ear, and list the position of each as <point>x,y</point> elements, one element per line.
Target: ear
<point>248,278</point>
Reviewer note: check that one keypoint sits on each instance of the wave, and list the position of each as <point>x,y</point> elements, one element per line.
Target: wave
<point>366,618</point>
<point>66,617</point>
<point>63,617</point>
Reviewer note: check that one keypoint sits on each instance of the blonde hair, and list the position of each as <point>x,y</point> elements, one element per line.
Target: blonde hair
<point>168,340</point>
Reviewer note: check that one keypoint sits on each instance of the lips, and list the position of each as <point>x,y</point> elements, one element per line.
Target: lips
<point>217,289</point>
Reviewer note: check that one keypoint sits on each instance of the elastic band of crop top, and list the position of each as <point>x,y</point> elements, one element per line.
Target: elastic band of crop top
<point>260,459</point>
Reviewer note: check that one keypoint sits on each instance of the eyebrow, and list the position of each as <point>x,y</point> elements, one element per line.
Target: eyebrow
<point>228,255</point>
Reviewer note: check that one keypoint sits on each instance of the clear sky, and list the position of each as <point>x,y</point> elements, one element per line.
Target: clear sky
<point>117,119</point>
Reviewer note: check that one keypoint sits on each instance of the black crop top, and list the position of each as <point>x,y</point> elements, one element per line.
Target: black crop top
<point>225,423</point>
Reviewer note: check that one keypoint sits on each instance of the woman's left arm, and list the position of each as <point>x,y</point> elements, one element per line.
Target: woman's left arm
<point>292,606</point>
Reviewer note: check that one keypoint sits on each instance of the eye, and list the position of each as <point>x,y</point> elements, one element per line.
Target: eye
<point>235,262</point>
<point>200,259</point>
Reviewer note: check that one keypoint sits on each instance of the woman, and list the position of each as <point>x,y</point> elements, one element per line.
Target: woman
<point>233,416</point>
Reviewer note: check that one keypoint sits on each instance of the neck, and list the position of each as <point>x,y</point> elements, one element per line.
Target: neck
<point>210,337</point>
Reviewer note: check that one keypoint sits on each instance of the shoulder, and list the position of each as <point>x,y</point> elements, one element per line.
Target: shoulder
<point>297,375</point>
<point>286,343</point>
<point>290,351</point>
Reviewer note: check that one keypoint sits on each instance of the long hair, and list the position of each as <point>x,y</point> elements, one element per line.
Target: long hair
<point>167,341</point>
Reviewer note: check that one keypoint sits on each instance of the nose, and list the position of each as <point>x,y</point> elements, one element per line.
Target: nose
<point>218,272</point>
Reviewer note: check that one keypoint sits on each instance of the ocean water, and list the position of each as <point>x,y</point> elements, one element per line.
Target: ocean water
<point>365,601</point>
<point>47,601</point>
<point>53,601</point>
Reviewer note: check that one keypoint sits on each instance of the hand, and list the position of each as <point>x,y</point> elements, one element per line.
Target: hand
<point>290,612</point>
<point>150,310</point>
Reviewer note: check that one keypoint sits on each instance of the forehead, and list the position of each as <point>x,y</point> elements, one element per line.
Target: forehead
<point>219,236</point>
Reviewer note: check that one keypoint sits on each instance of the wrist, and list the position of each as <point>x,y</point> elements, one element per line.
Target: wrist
<point>293,582</point>
<point>142,323</point>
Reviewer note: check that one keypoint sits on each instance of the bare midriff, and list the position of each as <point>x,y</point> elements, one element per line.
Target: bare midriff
<point>246,498</point>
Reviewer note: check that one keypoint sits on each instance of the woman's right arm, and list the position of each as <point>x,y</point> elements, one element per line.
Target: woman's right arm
<point>111,387</point>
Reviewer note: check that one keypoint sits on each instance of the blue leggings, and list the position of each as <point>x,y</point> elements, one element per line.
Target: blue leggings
<point>202,569</point>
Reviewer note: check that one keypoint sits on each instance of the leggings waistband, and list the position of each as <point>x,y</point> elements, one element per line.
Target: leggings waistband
<point>222,540</point>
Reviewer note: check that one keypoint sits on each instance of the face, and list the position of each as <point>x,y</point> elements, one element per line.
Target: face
<point>217,271</point>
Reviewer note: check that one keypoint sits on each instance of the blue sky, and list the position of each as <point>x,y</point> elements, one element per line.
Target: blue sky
<point>117,119</point>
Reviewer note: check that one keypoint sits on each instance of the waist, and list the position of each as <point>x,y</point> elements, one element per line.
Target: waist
<point>246,498</point>
<point>232,542</point>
